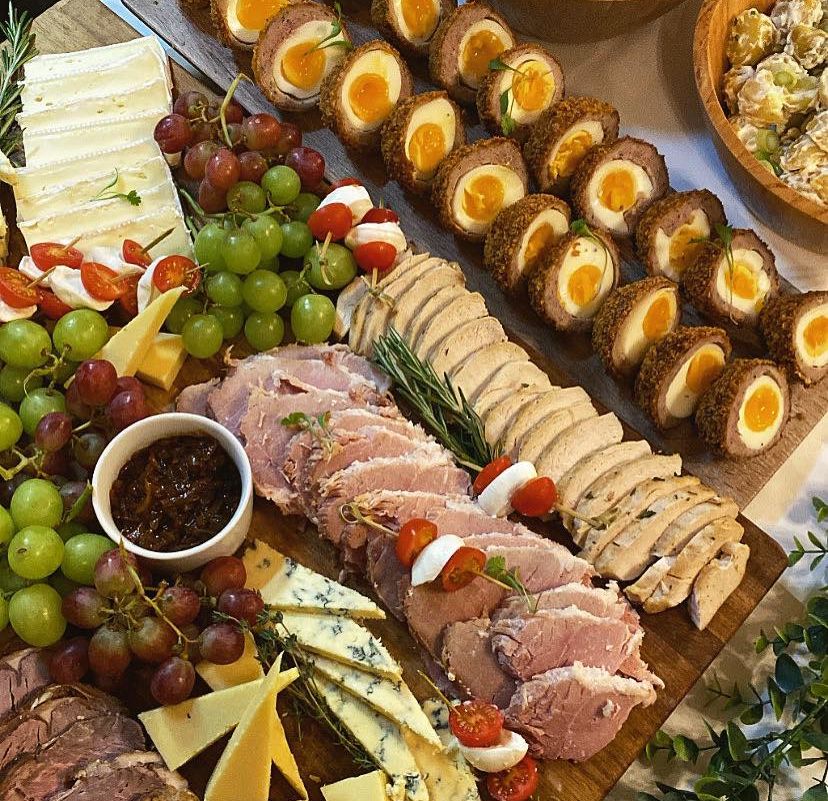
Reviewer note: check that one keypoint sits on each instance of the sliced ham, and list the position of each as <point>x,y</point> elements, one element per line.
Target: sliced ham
<point>595,600</point>
<point>193,399</point>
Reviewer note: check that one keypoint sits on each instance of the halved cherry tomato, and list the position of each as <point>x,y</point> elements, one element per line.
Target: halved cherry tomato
<point>174,271</point>
<point>334,219</point>
<point>52,306</point>
<point>129,300</point>
<point>380,215</point>
<point>16,289</point>
<point>50,254</point>
<point>490,472</point>
<point>536,497</point>
<point>463,568</point>
<point>133,253</point>
<point>345,182</point>
<point>413,537</point>
<point>101,282</point>
<point>476,723</point>
<point>377,256</point>
<point>516,784</point>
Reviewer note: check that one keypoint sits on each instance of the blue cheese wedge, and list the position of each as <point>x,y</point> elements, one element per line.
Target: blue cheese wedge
<point>342,640</point>
<point>382,740</point>
<point>287,585</point>
<point>390,697</point>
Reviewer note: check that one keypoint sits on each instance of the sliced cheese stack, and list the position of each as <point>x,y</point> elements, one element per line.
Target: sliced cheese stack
<point>635,498</point>
<point>88,120</point>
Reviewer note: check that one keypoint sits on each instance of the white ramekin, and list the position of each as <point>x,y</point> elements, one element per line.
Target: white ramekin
<point>138,436</point>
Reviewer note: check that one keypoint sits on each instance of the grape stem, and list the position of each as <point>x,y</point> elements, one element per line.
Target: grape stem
<point>228,97</point>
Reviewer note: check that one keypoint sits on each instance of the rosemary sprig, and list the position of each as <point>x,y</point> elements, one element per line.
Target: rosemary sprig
<point>332,40</point>
<point>132,197</point>
<point>442,408</point>
<point>319,427</point>
<point>20,48</point>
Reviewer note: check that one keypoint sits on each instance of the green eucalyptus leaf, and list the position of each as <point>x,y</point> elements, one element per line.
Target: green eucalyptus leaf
<point>818,792</point>
<point>736,741</point>
<point>752,715</point>
<point>662,739</point>
<point>761,643</point>
<point>685,749</point>
<point>819,690</point>
<point>821,508</point>
<point>818,609</point>
<point>788,674</point>
<point>778,699</point>
<point>816,640</point>
<point>816,739</point>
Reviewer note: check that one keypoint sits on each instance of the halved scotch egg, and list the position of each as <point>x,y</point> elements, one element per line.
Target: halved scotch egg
<point>617,182</point>
<point>464,44</point>
<point>360,93</point>
<point>563,135</point>
<point>795,328</point>
<point>732,282</point>
<point>510,99</point>
<point>410,24</point>
<point>477,181</point>
<point>632,319</point>
<point>520,238</point>
<point>297,49</point>
<point>573,280</point>
<point>418,135</point>
<point>239,22</point>
<point>670,233</point>
<point>744,412</point>
<point>678,370</point>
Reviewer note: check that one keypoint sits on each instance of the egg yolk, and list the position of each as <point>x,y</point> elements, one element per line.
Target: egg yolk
<point>658,318</point>
<point>481,48</point>
<point>761,409</point>
<point>816,336</point>
<point>705,367</point>
<point>617,191</point>
<point>584,284</point>
<point>427,147</point>
<point>303,65</point>
<point>420,17</point>
<point>542,238</point>
<point>532,86</point>
<point>369,97</point>
<point>741,281</point>
<point>483,198</point>
<point>253,14</point>
<point>683,250</point>
<point>570,154</point>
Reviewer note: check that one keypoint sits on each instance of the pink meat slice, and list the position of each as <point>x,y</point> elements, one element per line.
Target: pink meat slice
<point>553,638</point>
<point>339,355</point>
<point>607,603</point>
<point>193,399</point>
<point>467,655</point>
<point>386,572</point>
<point>573,712</point>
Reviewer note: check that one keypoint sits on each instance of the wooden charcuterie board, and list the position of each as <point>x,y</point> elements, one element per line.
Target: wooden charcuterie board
<point>673,647</point>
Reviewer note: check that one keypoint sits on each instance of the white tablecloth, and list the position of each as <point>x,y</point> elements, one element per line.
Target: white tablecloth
<point>648,76</point>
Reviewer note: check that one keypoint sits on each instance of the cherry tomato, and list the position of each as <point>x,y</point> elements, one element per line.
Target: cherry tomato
<point>476,723</point>
<point>490,472</point>
<point>334,219</point>
<point>129,300</point>
<point>379,256</point>
<point>413,537</point>
<point>344,182</point>
<point>176,271</point>
<point>463,568</point>
<point>101,282</point>
<point>49,254</point>
<point>133,253</point>
<point>380,215</point>
<point>52,306</point>
<point>536,497</point>
<point>516,784</point>
<point>16,289</point>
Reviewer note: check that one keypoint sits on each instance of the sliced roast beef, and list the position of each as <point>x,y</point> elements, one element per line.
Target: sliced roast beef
<point>468,657</point>
<point>573,712</point>
<point>552,638</point>
<point>386,572</point>
<point>22,674</point>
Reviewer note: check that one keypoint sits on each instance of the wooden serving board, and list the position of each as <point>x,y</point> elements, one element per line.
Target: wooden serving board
<point>673,647</point>
<point>190,32</point>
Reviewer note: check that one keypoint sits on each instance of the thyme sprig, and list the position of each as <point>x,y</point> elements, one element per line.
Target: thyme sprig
<point>441,407</point>
<point>581,228</point>
<point>132,197</point>
<point>739,767</point>
<point>20,48</point>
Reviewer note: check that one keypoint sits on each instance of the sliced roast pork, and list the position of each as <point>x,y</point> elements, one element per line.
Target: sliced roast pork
<point>595,600</point>
<point>339,355</point>
<point>22,674</point>
<point>194,399</point>
<point>573,712</point>
<point>469,659</point>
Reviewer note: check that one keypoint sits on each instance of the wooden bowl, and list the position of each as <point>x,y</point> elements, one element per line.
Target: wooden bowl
<point>791,214</point>
<point>580,20</point>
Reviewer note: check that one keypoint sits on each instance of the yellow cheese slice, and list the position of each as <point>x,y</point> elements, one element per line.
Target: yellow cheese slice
<point>368,787</point>
<point>245,669</point>
<point>283,758</point>
<point>163,362</point>
<point>129,347</point>
<point>243,771</point>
